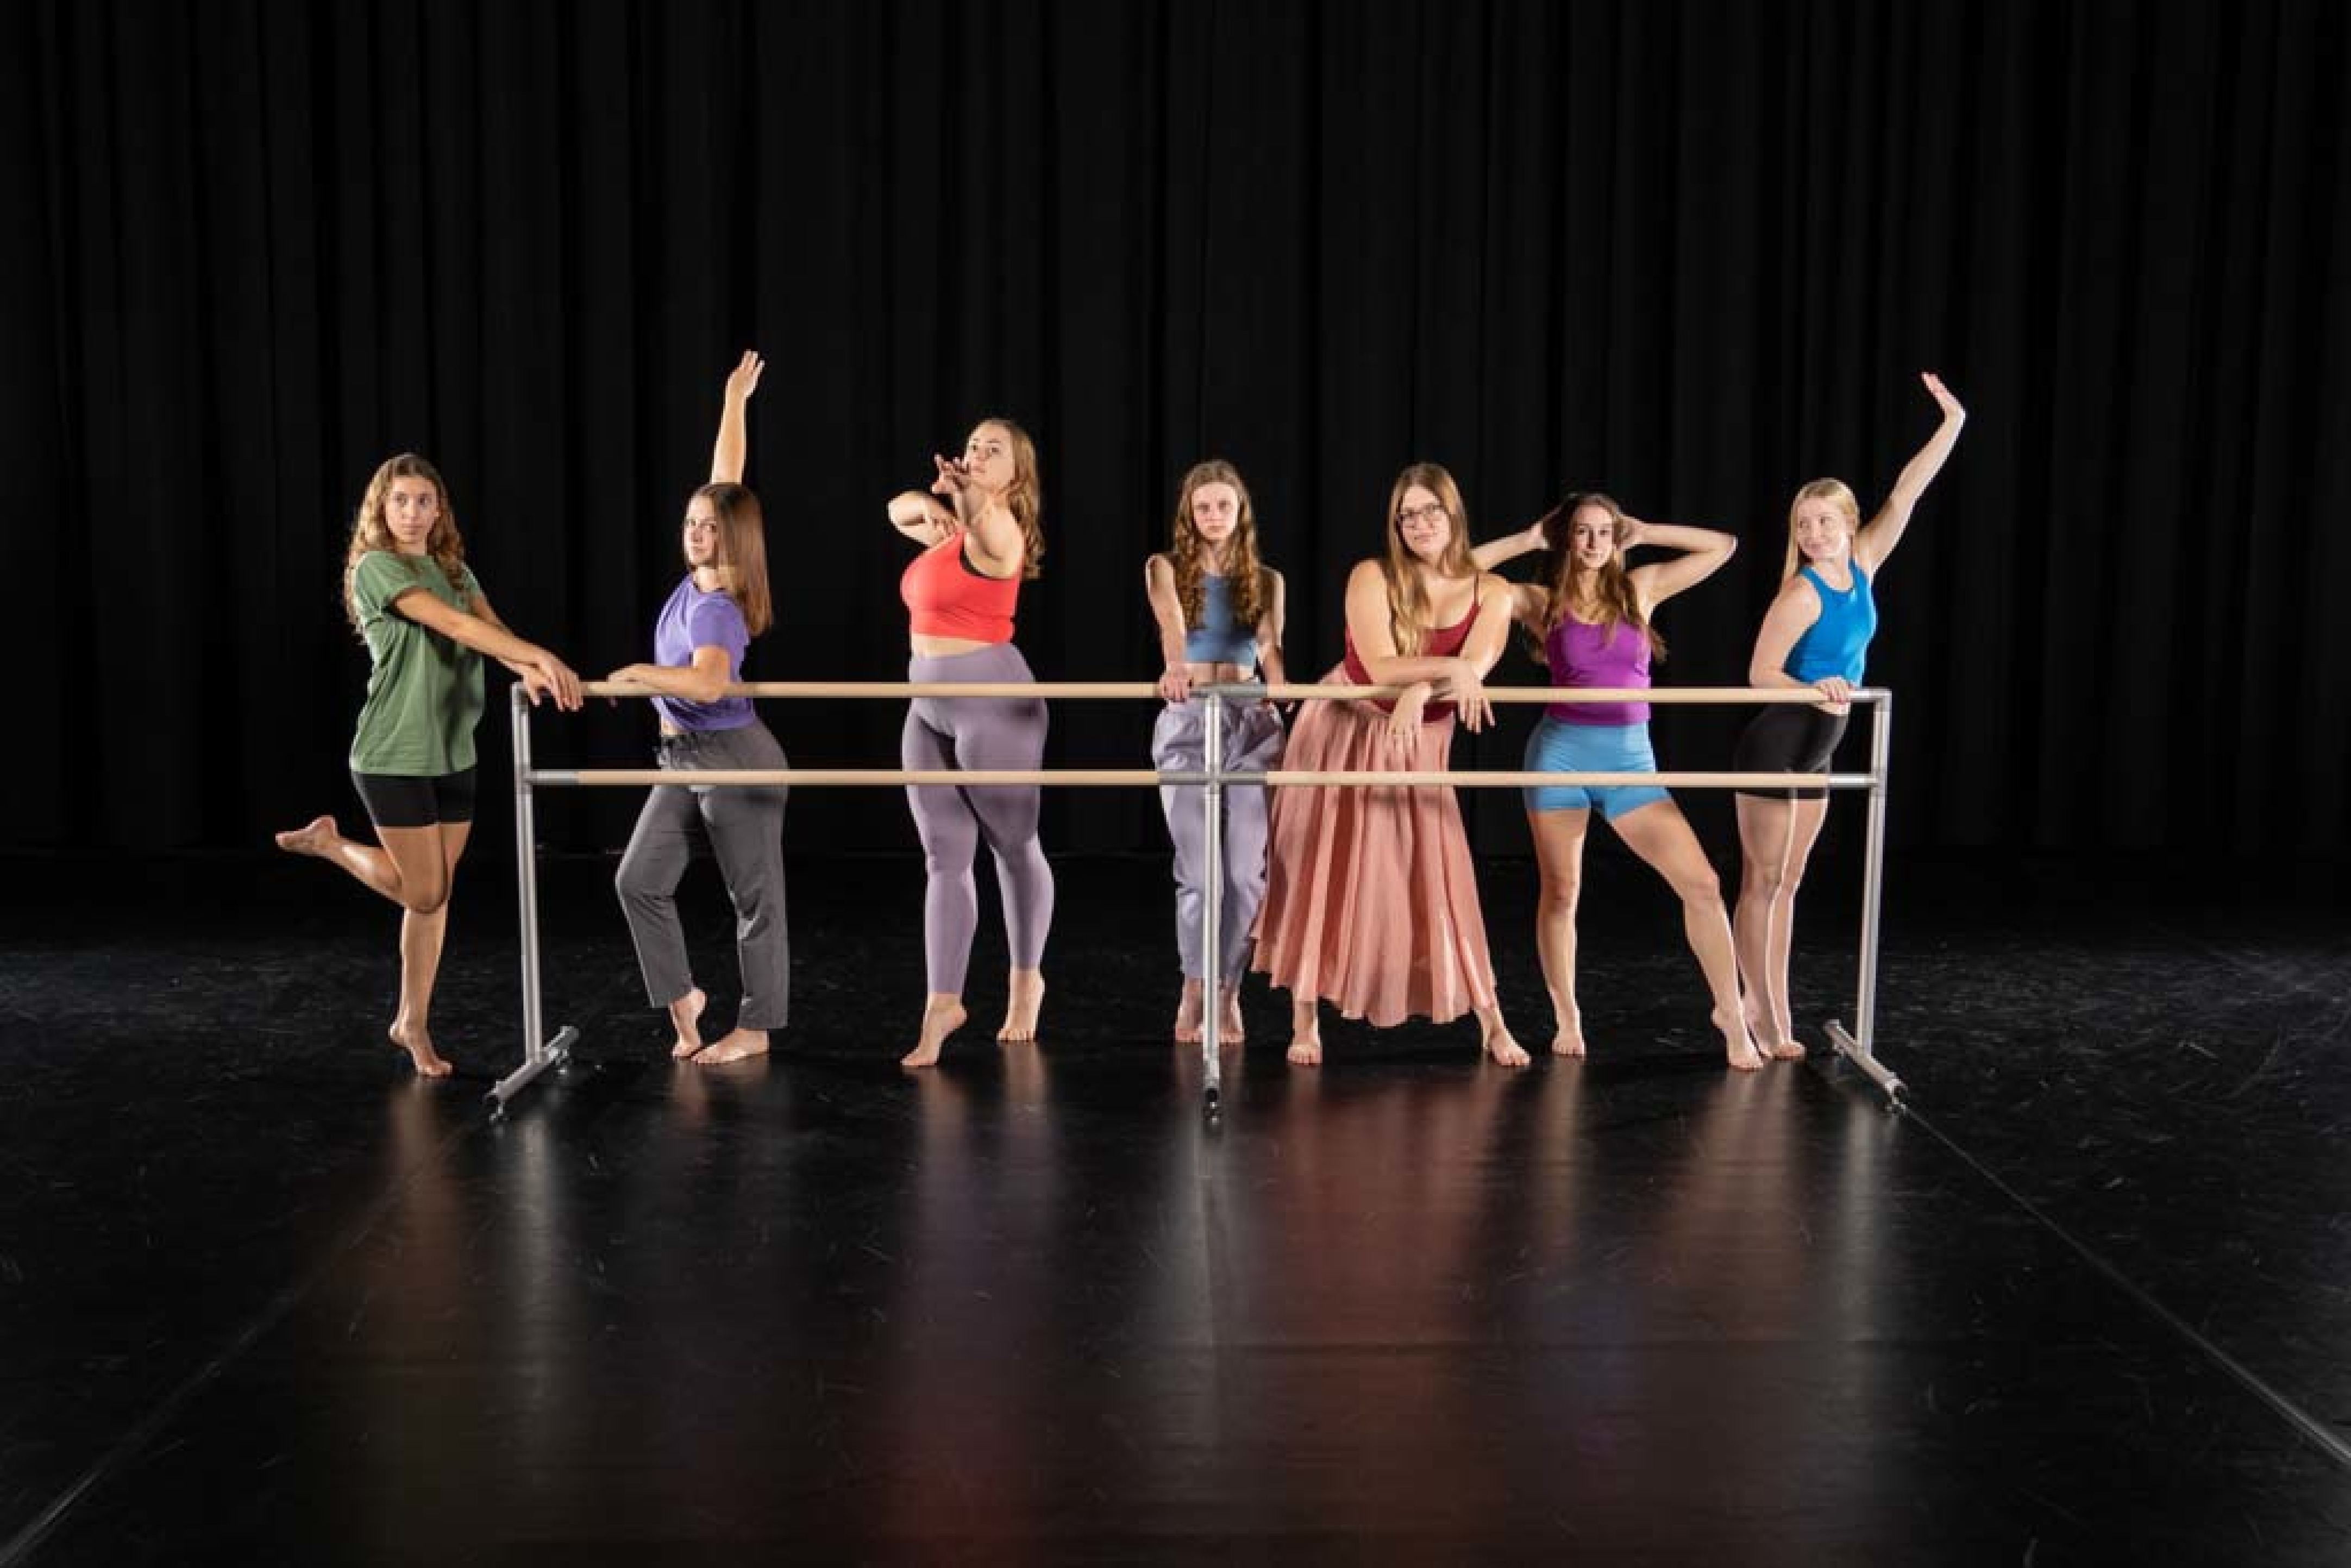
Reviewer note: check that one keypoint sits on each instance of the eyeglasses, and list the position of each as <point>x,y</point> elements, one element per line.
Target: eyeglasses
<point>1433,512</point>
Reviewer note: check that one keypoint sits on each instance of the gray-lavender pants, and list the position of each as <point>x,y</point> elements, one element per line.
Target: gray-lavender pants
<point>746,829</point>
<point>1179,744</point>
<point>977,733</point>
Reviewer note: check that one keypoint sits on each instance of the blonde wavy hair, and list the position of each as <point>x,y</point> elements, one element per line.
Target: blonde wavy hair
<point>1408,600</point>
<point>1838,494</point>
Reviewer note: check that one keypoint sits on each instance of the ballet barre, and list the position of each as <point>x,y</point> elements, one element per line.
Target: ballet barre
<point>541,1054</point>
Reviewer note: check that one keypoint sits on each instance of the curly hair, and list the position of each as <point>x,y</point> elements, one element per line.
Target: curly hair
<point>1244,571</point>
<point>445,544</point>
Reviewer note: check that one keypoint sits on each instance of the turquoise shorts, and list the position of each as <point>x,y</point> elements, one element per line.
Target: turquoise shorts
<point>1557,746</point>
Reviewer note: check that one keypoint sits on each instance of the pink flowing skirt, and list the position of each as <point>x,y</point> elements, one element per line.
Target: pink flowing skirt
<point>1371,899</point>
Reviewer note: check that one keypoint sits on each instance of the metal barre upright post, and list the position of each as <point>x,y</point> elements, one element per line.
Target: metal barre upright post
<point>1862,1052</point>
<point>1212,956</point>
<point>537,1056</point>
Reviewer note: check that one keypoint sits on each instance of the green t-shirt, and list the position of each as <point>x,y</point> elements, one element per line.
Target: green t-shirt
<point>425,694</point>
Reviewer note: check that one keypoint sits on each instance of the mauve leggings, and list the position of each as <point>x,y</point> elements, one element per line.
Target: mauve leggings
<point>977,733</point>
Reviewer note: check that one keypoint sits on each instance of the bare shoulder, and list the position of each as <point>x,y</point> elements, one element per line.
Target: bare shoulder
<point>1797,593</point>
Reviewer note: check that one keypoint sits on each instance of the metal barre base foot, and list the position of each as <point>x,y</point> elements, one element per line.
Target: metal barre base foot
<point>557,1054</point>
<point>1877,1072</point>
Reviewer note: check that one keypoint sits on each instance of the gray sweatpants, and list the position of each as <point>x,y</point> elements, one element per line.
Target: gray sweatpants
<point>1179,744</point>
<point>746,830</point>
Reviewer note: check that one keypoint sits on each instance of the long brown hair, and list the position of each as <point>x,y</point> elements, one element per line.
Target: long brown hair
<point>1025,496</point>
<point>1838,494</point>
<point>742,557</point>
<point>1612,591</point>
<point>1407,599</point>
<point>443,544</point>
<point>1244,572</point>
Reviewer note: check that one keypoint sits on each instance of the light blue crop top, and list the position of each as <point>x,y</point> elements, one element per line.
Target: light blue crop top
<point>1218,640</point>
<point>1837,643</point>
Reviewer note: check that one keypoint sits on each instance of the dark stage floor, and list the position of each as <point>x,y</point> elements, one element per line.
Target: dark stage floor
<point>265,1299</point>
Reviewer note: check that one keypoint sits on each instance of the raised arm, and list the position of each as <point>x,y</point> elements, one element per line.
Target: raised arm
<point>926,519</point>
<point>1511,546</point>
<point>726,455</point>
<point>542,673</point>
<point>1885,530</point>
<point>1167,615</point>
<point>996,536</point>
<point>1704,551</point>
<point>1527,602</point>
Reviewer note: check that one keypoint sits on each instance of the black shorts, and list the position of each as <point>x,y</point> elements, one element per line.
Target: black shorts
<point>1789,739</point>
<point>400,800</point>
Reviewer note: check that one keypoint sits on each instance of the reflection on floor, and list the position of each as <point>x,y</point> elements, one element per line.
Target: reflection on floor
<point>265,1298</point>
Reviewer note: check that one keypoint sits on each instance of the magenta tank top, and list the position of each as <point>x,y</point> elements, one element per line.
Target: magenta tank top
<point>1581,655</point>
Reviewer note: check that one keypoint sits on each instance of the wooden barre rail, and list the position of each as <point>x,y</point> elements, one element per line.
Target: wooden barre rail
<point>1283,693</point>
<point>1134,778</point>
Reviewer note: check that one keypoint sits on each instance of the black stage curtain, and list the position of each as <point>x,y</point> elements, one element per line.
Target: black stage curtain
<point>1694,253</point>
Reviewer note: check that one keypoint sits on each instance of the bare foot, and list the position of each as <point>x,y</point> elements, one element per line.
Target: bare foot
<point>1187,1014</point>
<point>1772,1039</point>
<point>418,1044</point>
<point>1228,1016</point>
<point>1568,1039</point>
<point>686,1016</point>
<point>941,1016</point>
<point>1020,1008</point>
<point>318,837</point>
<point>1738,1042</point>
<point>1497,1043</point>
<point>738,1046</point>
<point>1305,1033</point>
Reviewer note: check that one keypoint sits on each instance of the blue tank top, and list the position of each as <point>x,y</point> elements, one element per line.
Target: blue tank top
<point>1218,640</point>
<point>1837,643</point>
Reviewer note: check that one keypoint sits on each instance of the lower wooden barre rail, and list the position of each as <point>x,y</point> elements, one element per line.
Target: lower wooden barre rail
<point>1759,696</point>
<point>631,777</point>
<point>1132,777</point>
<point>1281,779</point>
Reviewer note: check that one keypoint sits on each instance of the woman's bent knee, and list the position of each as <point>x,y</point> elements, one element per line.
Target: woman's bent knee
<point>1701,893</point>
<point>424,899</point>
